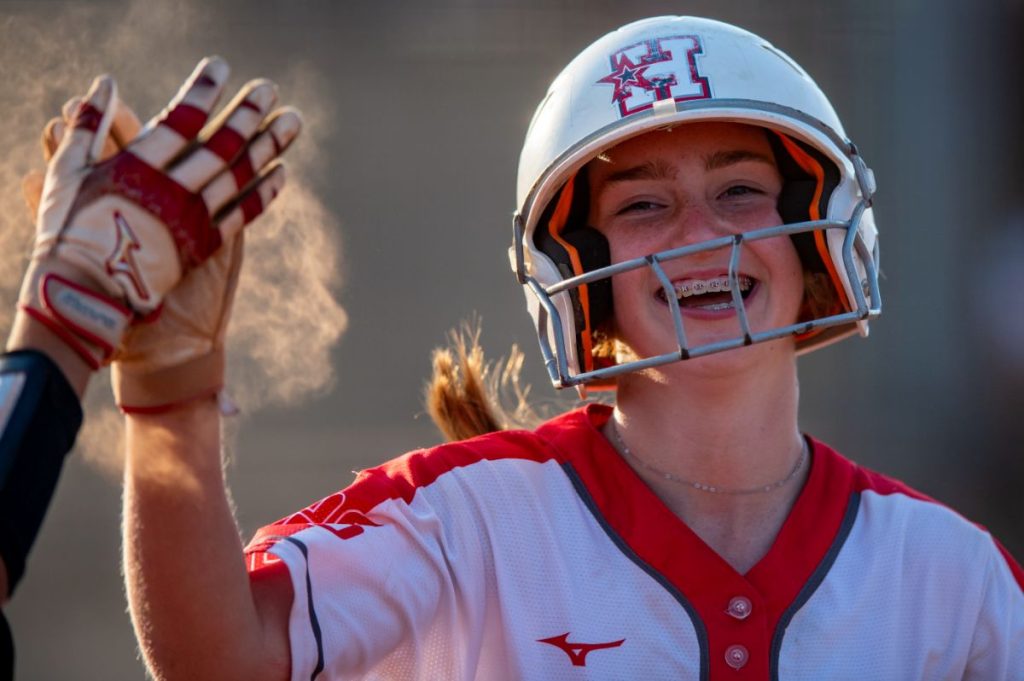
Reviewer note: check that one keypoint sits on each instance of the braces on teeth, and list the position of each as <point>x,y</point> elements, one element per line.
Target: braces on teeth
<point>696,287</point>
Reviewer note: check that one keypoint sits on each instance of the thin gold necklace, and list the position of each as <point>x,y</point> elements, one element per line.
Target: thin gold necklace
<point>703,487</point>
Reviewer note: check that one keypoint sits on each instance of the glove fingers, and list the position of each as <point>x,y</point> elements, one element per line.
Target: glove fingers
<point>82,143</point>
<point>68,114</point>
<point>276,135</point>
<point>32,191</point>
<point>252,202</point>
<point>53,133</point>
<point>232,132</point>
<point>126,125</point>
<point>175,130</point>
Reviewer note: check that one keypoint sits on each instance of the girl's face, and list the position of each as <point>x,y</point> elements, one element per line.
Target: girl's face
<point>671,188</point>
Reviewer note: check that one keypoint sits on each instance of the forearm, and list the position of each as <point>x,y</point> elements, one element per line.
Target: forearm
<point>42,383</point>
<point>29,334</point>
<point>188,590</point>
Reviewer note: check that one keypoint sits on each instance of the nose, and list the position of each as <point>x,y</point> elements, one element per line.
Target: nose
<point>695,222</point>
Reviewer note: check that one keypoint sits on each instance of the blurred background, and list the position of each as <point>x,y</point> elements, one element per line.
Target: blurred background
<point>399,209</point>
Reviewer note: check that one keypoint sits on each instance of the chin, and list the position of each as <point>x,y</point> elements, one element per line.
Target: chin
<point>751,359</point>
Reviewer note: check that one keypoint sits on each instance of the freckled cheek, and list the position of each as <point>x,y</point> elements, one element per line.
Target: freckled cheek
<point>786,272</point>
<point>630,297</point>
<point>768,217</point>
<point>622,247</point>
<point>626,286</point>
<point>630,246</point>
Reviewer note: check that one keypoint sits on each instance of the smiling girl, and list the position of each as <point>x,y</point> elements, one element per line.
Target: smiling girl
<point>690,218</point>
<point>670,189</point>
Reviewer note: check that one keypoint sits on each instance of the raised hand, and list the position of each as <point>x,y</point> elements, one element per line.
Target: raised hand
<point>139,232</point>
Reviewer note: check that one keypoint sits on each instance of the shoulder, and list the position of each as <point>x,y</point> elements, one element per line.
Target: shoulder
<point>892,517</point>
<point>555,440</point>
<point>487,462</point>
<point>421,469</point>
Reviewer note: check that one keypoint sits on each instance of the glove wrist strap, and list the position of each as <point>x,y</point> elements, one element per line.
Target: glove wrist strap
<point>162,390</point>
<point>90,323</point>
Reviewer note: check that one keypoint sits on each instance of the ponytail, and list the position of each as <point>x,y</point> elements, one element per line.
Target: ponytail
<point>466,395</point>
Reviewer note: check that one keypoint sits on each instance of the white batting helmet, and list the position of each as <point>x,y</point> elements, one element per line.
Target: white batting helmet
<point>657,73</point>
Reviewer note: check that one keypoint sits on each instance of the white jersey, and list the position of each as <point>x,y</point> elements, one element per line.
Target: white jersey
<point>542,555</point>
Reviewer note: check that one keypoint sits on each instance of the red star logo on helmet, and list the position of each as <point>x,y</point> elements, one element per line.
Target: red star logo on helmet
<point>625,74</point>
<point>655,69</point>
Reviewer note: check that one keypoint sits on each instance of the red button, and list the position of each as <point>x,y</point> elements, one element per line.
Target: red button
<point>736,656</point>
<point>739,607</point>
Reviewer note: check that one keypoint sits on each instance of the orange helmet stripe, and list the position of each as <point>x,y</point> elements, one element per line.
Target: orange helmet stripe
<point>555,226</point>
<point>811,166</point>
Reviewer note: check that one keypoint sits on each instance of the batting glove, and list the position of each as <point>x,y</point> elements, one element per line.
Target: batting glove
<point>139,238</point>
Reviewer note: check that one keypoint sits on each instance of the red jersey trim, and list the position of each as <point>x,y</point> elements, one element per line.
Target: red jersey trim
<point>675,552</point>
<point>643,527</point>
<point>1015,568</point>
<point>703,582</point>
<point>344,512</point>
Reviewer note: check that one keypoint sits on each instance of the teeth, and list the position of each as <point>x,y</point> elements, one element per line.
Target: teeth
<point>696,287</point>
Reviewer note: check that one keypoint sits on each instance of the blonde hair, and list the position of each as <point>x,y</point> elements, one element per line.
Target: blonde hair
<point>467,396</point>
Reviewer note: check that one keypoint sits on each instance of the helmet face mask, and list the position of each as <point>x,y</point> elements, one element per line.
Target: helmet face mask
<point>660,73</point>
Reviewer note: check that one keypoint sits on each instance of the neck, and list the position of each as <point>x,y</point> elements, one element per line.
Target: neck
<point>732,431</point>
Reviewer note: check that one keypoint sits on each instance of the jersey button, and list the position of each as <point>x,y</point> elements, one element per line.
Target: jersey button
<point>736,656</point>
<point>739,607</point>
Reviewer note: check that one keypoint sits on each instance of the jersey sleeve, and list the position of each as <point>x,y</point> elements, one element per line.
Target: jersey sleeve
<point>373,578</point>
<point>997,651</point>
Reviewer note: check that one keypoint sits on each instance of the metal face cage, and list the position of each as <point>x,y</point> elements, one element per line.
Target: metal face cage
<point>867,299</point>
<point>863,295</point>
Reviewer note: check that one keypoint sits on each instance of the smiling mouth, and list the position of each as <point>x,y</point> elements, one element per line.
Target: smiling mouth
<point>712,294</point>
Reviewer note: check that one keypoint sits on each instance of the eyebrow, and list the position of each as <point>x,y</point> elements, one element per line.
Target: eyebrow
<point>649,170</point>
<point>660,170</point>
<point>721,159</point>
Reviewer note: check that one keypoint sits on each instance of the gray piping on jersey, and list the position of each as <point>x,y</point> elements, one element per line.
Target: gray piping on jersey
<point>817,577</point>
<point>314,623</point>
<point>698,624</point>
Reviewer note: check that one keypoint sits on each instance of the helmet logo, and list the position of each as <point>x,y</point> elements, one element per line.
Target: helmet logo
<point>656,69</point>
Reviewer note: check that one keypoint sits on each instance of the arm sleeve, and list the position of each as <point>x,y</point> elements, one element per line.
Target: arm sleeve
<point>375,592</point>
<point>39,419</point>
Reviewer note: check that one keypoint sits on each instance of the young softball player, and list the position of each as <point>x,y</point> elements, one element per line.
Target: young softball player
<point>691,216</point>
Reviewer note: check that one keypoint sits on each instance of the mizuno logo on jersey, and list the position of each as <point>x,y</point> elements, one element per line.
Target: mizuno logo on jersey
<point>578,652</point>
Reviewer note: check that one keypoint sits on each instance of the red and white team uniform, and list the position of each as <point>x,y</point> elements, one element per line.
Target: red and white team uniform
<point>541,555</point>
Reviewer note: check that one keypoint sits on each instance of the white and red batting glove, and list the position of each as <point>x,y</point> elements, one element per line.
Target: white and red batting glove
<point>139,245</point>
